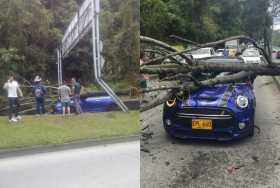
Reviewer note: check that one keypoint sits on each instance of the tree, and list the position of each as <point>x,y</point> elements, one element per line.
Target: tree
<point>180,78</point>
<point>154,18</point>
<point>275,7</point>
<point>35,29</point>
<point>25,26</point>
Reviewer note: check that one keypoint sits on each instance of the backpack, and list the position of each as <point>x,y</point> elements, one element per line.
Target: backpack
<point>39,91</point>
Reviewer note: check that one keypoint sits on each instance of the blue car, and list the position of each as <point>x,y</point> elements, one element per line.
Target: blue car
<point>98,104</point>
<point>222,112</point>
<point>90,104</point>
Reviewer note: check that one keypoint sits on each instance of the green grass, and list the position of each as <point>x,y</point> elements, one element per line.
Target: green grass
<point>55,129</point>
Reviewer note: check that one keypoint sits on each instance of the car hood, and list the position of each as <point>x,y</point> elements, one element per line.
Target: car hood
<point>217,96</point>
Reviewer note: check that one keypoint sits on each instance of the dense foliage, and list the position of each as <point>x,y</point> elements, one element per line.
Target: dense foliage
<point>205,20</point>
<point>30,31</point>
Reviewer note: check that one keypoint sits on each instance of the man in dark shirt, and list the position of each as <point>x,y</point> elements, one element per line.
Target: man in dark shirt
<point>76,90</point>
<point>39,92</point>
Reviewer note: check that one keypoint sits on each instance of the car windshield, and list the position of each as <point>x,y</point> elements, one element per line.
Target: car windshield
<point>251,53</point>
<point>202,51</point>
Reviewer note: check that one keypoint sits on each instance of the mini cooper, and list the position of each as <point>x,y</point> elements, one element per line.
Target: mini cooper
<point>221,112</point>
<point>92,104</point>
<point>89,104</point>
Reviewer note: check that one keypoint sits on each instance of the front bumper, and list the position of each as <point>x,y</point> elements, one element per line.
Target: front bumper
<point>225,125</point>
<point>220,135</point>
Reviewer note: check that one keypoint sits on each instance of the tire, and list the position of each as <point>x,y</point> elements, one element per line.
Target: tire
<point>252,131</point>
<point>168,135</point>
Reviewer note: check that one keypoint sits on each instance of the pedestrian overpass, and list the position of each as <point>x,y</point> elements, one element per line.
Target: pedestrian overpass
<point>85,20</point>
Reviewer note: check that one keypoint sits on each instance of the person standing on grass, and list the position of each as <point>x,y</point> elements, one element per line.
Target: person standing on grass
<point>13,90</point>
<point>39,92</point>
<point>76,90</point>
<point>64,93</point>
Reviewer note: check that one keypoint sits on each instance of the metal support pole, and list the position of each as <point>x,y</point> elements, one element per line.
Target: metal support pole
<point>57,59</point>
<point>97,25</point>
<point>59,67</point>
<point>96,55</point>
<point>61,73</point>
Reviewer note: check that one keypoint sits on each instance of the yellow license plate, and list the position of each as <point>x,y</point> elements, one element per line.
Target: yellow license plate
<point>204,124</point>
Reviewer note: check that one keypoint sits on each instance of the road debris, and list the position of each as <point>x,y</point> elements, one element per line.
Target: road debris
<point>142,148</point>
<point>232,169</point>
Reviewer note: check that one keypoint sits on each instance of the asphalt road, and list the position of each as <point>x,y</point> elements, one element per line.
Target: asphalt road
<point>251,162</point>
<point>106,166</point>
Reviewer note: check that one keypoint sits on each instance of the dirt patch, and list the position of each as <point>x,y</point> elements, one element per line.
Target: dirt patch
<point>202,164</point>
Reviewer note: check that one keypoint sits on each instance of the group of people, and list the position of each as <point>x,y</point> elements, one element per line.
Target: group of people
<point>65,92</point>
<point>39,91</point>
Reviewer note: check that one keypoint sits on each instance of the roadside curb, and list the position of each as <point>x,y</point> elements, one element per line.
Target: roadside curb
<point>6,153</point>
<point>277,82</point>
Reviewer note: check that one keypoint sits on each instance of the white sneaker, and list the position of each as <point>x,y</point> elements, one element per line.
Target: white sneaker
<point>14,120</point>
<point>18,118</point>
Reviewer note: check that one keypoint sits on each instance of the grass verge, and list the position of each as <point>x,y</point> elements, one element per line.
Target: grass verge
<point>55,129</point>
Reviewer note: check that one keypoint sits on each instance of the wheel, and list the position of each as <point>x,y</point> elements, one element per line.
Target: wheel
<point>252,131</point>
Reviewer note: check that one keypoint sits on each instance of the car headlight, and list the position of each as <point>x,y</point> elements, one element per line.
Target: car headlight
<point>242,101</point>
<point>171,103</point>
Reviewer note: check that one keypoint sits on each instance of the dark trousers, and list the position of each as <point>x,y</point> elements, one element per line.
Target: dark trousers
<point>13,107</point>
<point>40,105</point>
<point>78,107</point>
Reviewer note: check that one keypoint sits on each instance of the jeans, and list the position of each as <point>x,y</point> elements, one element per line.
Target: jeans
<point>13,107</point>
<point>78,108</point>
<point>40,105</point>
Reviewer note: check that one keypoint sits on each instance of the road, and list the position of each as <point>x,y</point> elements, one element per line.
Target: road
<point>169,163</point>
<point>106,166</point>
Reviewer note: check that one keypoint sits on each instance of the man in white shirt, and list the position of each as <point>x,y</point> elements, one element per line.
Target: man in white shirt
<point>13,90</point>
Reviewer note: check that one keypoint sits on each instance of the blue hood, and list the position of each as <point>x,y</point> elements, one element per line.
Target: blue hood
<point>222,95</point>
<point>208,96</point>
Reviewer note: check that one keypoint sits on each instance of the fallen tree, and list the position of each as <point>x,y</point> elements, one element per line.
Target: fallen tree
<point>201,66</point>
<point>183,73</point>
<point>211,44</point>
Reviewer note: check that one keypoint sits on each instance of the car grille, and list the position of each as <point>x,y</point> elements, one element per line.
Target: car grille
<point>221,118</point>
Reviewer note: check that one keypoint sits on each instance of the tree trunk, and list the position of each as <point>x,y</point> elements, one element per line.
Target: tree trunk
<point>202,66</point>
